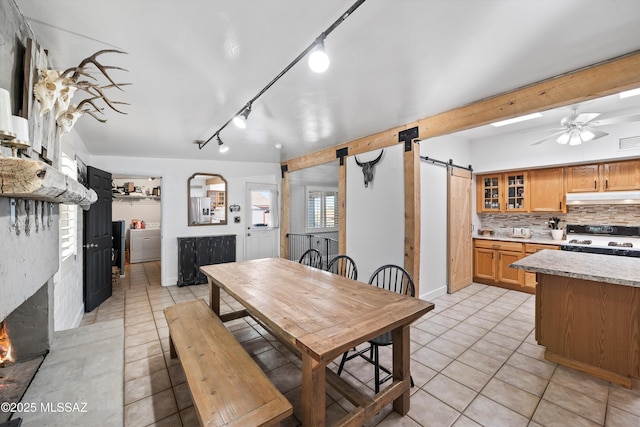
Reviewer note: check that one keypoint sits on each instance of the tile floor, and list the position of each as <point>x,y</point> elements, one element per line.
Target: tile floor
<point>475,362</point>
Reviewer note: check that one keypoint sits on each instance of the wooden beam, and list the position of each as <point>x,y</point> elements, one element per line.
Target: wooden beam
<point>412,214</point>
<point>342,208</point>
<point>602,79</point>
<point>376,141</point>
<point>285,215</point>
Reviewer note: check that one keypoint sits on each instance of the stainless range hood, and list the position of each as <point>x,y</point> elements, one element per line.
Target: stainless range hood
<point>604,198</point>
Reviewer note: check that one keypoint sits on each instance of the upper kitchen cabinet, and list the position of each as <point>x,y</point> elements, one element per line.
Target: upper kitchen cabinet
<point>546,190</point>
<point>507,192</point>
<point>489,193</point>
<point>584,178</point>
<point>621,176</point>
<point>517,192</point>
<point>614,176</point>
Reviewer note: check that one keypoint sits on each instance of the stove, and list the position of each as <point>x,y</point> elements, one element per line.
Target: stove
<point>603,239</point>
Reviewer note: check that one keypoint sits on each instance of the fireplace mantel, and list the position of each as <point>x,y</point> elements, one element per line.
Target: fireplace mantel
<point>31,179</point>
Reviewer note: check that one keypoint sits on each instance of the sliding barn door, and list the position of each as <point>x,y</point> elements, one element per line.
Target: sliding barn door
<point>459,245</point>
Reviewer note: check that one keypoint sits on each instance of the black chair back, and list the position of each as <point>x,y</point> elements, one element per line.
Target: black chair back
<point>343,265</point>
<point>312,258</point>
<point>393,278</point>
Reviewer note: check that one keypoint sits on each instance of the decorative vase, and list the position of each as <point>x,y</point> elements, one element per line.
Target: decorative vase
<point>557,234</point>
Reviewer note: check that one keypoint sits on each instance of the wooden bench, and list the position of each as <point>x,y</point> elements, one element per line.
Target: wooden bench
<point>227,387</point>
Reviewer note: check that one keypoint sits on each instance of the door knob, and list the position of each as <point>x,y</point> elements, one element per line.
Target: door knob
<point>90,245</point>
<point>248,234</point>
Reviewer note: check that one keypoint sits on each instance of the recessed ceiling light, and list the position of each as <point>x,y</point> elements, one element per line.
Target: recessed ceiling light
<point>278,146</point>
<point>516,120</point>
<point>628,93</point>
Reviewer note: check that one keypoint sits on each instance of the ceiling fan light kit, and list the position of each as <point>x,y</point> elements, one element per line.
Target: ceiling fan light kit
<point>581,127</point>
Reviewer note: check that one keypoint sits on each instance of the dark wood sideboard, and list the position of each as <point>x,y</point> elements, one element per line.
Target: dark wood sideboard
<point>194,252</point>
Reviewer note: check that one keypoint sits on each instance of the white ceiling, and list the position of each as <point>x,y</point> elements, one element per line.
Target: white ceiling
<point>194,63</point>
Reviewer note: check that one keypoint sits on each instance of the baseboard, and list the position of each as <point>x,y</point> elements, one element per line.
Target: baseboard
<point>433,294</point>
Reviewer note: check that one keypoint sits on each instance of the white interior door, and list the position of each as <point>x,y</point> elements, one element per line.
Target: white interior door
<point>263,222</point>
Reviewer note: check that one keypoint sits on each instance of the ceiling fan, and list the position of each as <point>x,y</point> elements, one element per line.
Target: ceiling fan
<point>581,127</point>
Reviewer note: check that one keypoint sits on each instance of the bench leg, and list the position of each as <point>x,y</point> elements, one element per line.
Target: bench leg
<point>172,349</point>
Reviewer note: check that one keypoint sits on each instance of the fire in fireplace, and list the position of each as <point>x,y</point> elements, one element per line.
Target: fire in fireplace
<point>6,355</point>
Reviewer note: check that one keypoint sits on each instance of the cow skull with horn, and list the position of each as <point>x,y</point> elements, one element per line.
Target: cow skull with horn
<point>368,168</point>
<point>57,88</point>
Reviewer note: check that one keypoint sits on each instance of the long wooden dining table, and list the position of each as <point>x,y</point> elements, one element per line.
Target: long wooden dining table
<point>321,315</point>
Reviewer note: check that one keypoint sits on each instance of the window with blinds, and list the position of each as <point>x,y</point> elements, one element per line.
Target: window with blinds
<point>68,214</point>
<point>322,209</point>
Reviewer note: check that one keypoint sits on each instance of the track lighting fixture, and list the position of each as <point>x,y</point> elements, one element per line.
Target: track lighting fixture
<point>221,147</point>
<point>318,61</point>
<point>241,119</point>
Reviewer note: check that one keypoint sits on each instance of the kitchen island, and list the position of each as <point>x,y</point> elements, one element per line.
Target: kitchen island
<point>588,312</point>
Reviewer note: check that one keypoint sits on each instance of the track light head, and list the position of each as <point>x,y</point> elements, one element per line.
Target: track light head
<point>241,119</point>
<point>221,147</point>
<point>319,60</point>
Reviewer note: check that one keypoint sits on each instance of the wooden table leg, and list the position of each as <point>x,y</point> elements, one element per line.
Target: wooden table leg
<point>214,298</point>
<point>401,360</point>
<point>313,392</point>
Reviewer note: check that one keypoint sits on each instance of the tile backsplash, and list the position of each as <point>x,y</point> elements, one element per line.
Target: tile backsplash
<point>628,215</point>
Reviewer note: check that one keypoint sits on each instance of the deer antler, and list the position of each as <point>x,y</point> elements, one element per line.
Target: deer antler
<point>100,94</point>
<point>69,78</point>
<point>81,69</point>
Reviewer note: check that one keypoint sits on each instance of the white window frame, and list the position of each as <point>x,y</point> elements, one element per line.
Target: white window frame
<point>68,214</point>
<point>322,228</point>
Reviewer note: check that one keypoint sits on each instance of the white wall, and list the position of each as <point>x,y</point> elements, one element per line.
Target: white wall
<point>513,151</point>
<point>375,215</point>
<point>174,174</point>
<point>433,210</point>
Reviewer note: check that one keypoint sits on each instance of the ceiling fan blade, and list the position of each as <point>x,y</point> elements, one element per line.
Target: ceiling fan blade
<point>620,119</point>
<point>597,133</point>
<point>548,138</point>
<point>557,129</point>
<point>584,118</point>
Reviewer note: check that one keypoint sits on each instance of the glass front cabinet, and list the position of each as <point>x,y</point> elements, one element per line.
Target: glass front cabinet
<point>489,193</point>
<point>502,192</point>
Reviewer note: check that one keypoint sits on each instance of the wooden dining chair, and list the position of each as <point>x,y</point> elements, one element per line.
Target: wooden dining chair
<point>343,265</point>
<point>312,258</point>
<point>395,279</point>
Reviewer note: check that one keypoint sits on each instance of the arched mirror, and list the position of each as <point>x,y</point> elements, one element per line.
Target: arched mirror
<point>207,199</point>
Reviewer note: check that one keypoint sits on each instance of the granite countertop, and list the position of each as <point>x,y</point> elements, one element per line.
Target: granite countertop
<point>540,239</point>
<point>619,270</point>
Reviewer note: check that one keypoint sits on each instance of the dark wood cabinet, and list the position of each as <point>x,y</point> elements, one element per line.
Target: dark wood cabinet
<point>194,252</point>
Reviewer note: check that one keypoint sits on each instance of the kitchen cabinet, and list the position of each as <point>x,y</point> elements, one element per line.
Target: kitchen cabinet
<point>621,176</point>
<point>505,192</point>
<point>516,194</point>
<point>546,190</point>
<point>530,280</point>
<point>491,260</point>
<point>613,176</point>
<point>582,178</point>
<point>194,252</point>
<point>217,197</point>
<point>489,193</point>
